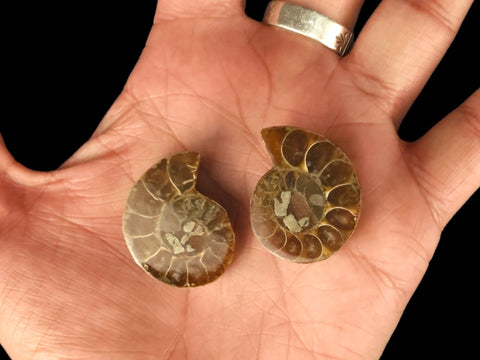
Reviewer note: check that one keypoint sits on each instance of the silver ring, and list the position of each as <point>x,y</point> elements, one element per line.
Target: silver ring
<point>309,23</point>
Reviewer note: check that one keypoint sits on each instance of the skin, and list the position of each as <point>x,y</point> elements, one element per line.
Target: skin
<point>68,286</point>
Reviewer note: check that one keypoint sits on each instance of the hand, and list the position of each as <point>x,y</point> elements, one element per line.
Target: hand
<point>69,287</point>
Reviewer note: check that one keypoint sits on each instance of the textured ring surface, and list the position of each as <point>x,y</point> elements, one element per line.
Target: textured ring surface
<point>309,23</point>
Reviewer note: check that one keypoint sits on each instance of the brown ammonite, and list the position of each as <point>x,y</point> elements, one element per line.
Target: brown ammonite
<point>308,204</point>
<point>175,233</point>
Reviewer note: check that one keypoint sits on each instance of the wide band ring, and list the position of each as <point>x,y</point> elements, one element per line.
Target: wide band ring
<point>309,23</point>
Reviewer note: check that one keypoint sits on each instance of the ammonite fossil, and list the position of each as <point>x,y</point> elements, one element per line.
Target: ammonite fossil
<point>307,205</point>
<point>175,233</point>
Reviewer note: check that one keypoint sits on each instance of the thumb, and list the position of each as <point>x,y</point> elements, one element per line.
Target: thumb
<point>10,173</point>
<point>15,179</point>
<point>6,161</point>
<point>6,158</point>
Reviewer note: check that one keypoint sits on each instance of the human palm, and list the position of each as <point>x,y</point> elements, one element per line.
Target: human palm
<point>209,80</point>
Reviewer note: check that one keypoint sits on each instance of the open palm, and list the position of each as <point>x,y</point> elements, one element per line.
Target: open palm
<point>209,80</point>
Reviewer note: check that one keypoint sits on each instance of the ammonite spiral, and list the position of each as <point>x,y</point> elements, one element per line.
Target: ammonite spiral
<point>175,233</point>
<point>307,205</point>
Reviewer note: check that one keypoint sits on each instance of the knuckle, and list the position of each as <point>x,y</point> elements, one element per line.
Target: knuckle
<point>470,117</point>
<point>432,190</point>
<point>435,10</point>
<point>376,89</point>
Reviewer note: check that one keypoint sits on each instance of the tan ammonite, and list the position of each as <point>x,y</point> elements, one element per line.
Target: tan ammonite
<point>307,205</point>
<point>175,233</point>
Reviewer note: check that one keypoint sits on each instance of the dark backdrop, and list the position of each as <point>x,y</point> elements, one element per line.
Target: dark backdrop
<point>66,62</point>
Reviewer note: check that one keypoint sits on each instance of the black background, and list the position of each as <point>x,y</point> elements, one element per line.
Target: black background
<point>66,62</point>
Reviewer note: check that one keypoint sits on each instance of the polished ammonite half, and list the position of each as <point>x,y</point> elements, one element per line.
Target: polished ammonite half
<point>173,232</point>
<point>307,205</point>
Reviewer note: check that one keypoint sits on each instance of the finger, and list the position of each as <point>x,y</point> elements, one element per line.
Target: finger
<point>399,48</point>
<point>330,23</point>
<point>168,9</point>
<point>446,160</point>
